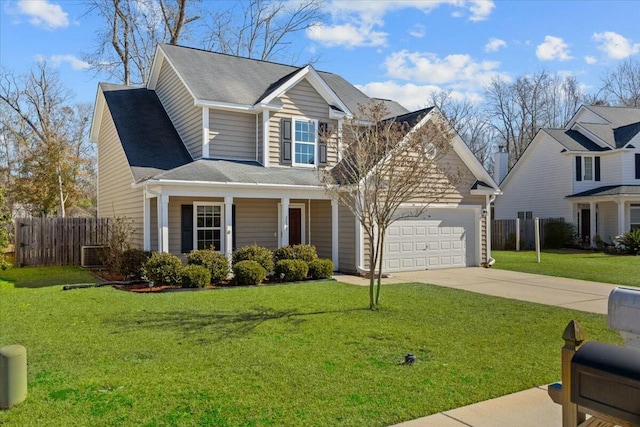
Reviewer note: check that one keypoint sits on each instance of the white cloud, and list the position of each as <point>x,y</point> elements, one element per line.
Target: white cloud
<point>347,35</point>
<point>412,96</point>
<point>43,14</point>
<point>494,44</point>
<point>615,45</point>
<point>457,71</point>
<point>76,63</point>
<point>418,31</point>
<point>553,48</point>
<point>359,23</point>
<point>590,59</point>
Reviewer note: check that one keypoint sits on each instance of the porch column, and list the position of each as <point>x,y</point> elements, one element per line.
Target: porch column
<point>621,219</point>
<point>228,226</point>
<point>334,235</point>
<point>146,225</point>
<point>163,223</point>
<point>592,222</point>
<point>265,138</point>
<point>285,221</point>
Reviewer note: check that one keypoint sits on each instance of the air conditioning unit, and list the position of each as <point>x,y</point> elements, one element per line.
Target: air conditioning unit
<point>92,256</point>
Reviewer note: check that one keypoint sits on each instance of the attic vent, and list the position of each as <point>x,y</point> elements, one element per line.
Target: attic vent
<point>92,256</point>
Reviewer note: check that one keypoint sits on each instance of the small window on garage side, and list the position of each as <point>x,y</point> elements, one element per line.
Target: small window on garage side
<point>635,216</point>
<point>525,215</point>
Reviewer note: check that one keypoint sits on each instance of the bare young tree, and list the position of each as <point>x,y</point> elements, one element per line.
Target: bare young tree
<point>259,29</point>
<point>132,28</point>
<point>621,85</point>
<point>47,135</point>
<point>388,163</point>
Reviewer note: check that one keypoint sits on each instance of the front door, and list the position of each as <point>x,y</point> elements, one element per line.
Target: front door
<point>585,225</point>
<point>295,226</point>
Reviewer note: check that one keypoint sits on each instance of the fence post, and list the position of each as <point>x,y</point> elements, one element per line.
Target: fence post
<point>537,237</point>
<point>517,234</point>
<point>573,337</point>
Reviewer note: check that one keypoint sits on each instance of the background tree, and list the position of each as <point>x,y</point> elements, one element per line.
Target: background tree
<point>470,121</point>
<point>131,31</point>
<point>45,135</point>
<point>5,228</point>
<point>621,85</point>
<point>260,29</point>
<point>520,108</point>
<point>385,165</point>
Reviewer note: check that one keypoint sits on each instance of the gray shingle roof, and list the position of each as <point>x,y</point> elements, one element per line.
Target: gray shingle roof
<point>225,78</point>
<point>573,140</point>
<point>610,190</point>
<point>617,116</point>
<point>148,137</point>
<point>228,171</point>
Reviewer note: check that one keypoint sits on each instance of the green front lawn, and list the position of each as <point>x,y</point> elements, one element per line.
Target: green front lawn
<point>301,354</point>
<point>584,265</point>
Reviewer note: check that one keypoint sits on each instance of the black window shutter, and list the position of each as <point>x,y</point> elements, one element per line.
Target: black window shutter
<point>186,228</point>
<point>597,168</point>
<point>233,228</point>
<point>285,140</point>
<point>578,168</point>
<point>323,129</point>
<point>637,166</point>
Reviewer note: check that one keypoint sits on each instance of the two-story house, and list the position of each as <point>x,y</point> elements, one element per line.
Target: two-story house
<point>587,173</point>
<point>225,151</point>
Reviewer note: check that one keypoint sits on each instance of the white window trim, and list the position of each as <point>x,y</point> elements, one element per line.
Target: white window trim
<point>303,221</point>
<point>294,142</point>
<point>222,223</point>
<point>592,169</point>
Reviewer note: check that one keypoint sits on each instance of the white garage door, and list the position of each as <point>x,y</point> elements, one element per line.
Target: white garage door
<point>439,238</point>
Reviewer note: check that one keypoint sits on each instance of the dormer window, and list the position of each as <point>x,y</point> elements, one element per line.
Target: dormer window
<point>305,137</point>
<point>588,168</point>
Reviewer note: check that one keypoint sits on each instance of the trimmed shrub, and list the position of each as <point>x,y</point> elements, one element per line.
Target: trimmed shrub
<point>291,270</point>
<point>559,234</point>
<point>629,242</point>
<point>321,269</point>
<point>215,262</point>
<point>249,272</point>
<point>132,263</point>
<point>306,253</point>
<point>262,256</point>
<point>163,269</point>
<point>195,276</point>
<point>285,252</point>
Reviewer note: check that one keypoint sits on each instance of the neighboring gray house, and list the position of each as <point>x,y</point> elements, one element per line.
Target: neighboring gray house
<point>587,173</point>
<point>224,151</point>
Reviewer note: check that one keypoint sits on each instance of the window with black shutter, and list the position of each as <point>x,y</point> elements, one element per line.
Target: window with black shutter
<point>578,168</point>
<point>186,228</point>
<point>597,168</point>
<point>285,141</point>
<point>637,166</point>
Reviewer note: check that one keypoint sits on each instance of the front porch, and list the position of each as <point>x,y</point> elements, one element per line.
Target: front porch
<point>179,220</point>
<point>606,218</point>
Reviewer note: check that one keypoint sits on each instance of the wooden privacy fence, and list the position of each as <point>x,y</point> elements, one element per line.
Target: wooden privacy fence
<point>57,241</point>
<point>503,233</point>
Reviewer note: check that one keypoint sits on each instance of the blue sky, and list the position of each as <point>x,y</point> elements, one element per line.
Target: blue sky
<point>401,50</point>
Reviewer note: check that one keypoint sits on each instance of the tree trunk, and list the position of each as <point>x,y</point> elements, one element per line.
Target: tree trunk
<point>380,259</point>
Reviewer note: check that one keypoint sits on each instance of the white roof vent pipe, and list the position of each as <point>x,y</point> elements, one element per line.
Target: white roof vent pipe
<point>500,164</point>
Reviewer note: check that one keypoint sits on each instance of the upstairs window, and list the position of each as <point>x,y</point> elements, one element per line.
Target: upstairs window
<point>305,137</point>
<point>588,168</point>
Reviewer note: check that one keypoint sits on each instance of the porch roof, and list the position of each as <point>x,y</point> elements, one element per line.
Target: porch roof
<point>240,172</point>
<point>609,190</point>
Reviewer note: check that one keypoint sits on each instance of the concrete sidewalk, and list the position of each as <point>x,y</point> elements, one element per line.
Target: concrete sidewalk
<point>529,408</point>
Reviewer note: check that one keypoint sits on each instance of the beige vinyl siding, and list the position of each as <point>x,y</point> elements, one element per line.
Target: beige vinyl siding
<point>257,222</point>
<point>178,103</point>
<point>303,101</point>
<point>260,138</point>
<point>483,241</point>
<point>116,198</point>
<point>347,240</point>
<point>321,227</point>
<point>232,135</point>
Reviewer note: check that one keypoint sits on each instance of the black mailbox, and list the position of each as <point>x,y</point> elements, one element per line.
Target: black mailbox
<point>606,378</point>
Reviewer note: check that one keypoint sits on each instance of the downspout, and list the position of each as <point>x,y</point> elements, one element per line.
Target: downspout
<point>490,260</point>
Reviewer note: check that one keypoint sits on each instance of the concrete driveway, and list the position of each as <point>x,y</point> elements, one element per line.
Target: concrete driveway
<point>569,293</point>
